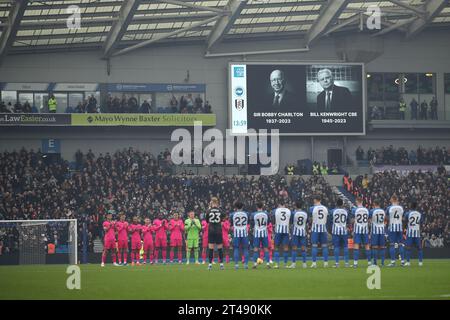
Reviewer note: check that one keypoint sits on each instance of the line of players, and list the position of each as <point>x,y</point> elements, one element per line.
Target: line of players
<point>290,228</point>
<point>369,230</point>
<point>151,238</point>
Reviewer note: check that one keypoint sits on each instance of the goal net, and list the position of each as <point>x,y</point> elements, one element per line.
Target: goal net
<point>38,241</point>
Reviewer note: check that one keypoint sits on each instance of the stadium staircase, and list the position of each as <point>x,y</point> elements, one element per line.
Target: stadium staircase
<point>348,201</point>
<point>350,197</point>
<point>336,185</point>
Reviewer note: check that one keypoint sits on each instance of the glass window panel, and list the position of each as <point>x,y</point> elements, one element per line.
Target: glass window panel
<point>391,86</point>
<point>9,96</point>
<point>447,83</point>
<point>410,82</point>
<point>40,102</point>
<point>74,99</point>
<point>375,86</point>
<point>427,83</point>
<point>26,97</point>
<point>61,100</point>
<point>148,97</point>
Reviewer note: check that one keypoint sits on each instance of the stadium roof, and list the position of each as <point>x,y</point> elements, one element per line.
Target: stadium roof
<point>119,26</point>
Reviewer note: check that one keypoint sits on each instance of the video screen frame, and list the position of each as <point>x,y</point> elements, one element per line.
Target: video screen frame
<point>296,63</point>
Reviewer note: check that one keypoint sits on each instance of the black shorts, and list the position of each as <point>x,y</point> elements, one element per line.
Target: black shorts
<point>215,237</point>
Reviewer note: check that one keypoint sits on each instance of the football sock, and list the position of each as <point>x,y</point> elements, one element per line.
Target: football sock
<point>196,254</point>
<point>336,254</point>
<point>314,253</point>
<point>294,256</point>
<point>188,255</point>
<point>392,252</point>
<point>325,253</point>
<point>368,256</point>
<point>277,256</point>
<point>210,255</point>
<point>266,256</point>
<point>356,255</point>
<point>245,255</point>
<point>346,254</point>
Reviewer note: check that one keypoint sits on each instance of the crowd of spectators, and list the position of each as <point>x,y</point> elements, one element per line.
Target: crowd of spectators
<point>418,110</point>
<point>429,190</point>
<point>89,105</point>
<point>183,104</point>
<point>401,156</point>
<point>141,184</point>
<point>125,104</point>
<point>17,107</point>
<point>132,182</point>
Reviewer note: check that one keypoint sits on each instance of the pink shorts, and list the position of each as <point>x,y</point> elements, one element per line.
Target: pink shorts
<point>122,244</point>
<point>161,242</point>
<point>110,244</point>
<point>136,245</point>
<point>205,242</point>
<point>177,242</point>
<point>148,245</point>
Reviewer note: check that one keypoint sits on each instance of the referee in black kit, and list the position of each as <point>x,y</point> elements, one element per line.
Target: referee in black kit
<point>214,217</point>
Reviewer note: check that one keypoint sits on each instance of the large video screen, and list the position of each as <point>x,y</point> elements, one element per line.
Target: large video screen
<point>297,98</point>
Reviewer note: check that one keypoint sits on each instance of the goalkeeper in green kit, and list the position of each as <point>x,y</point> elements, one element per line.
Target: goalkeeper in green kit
<point>192,227</point>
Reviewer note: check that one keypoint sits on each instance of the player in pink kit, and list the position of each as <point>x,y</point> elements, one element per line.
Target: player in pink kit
<point>122,238</point>
<point>204,240</point>
<point>147,233</point>
<point>109,240</point>
<point>226,226</point>
<point>269,236</point>
<point>135,230</point>
<point>160,227</point>
<point>176,228</point>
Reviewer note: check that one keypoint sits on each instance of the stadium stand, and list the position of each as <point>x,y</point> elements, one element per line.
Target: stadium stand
<point>139,183</point>
<point>392,156</point>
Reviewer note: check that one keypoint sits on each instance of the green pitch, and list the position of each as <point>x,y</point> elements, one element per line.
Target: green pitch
<point>432,281</point>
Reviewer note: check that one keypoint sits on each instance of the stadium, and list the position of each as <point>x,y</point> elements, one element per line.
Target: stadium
<point>224,150</point>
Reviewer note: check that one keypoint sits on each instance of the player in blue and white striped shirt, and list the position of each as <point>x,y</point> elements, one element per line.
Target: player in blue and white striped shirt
<point>339,217</point>
<point>282,218</point>
<point>239,221</point>
<point>360,230</point>
<point>260,220</point>
<point>414,219</point>
<point>378,241</point>
<point>395,216</point>
<point>319,232</point>
<point>298,219</point>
